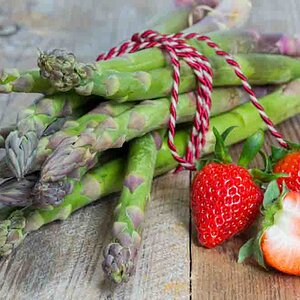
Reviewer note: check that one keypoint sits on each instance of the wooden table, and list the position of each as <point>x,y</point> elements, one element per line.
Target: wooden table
<point>63,260</point>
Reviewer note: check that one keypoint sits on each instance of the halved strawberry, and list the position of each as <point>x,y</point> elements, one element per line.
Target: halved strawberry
<point>278,242</point>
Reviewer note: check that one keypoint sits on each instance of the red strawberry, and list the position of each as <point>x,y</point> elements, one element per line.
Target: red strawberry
<point>289,164</point>
<point>278,242</point>
<point>224,198</point>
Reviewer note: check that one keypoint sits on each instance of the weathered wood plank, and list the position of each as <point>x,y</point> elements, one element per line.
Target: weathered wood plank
<point>215,273</point>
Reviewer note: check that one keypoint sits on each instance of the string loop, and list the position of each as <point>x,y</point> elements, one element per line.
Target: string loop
<point>177,48</point>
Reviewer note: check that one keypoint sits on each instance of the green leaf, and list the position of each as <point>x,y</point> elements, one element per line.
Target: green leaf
<point>251,147</point>
<point>267,161</point>
<point>221,151</point>
<point>201,163</point>
<point>271,194</point>
<point>246,250</point>
<point>265,177</point>
<point>257,252</point>
<point>225,134</point>
<point>277,154</point>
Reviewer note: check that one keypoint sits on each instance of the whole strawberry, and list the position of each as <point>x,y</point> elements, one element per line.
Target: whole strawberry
<point>225,198</point>
<point>277,243</point>
<point>290,165</point>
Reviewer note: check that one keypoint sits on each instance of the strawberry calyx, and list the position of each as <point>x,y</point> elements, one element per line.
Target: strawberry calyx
<point>279,153</point>
<point>286,161</point>
<point>251,148</point>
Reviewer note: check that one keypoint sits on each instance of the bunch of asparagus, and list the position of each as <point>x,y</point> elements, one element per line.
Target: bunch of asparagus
<point>60,153</point>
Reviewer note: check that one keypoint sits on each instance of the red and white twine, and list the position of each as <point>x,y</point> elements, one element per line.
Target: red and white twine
<point>177,48</point>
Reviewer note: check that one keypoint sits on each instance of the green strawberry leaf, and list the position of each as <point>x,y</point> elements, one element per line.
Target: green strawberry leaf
<point>221,151</point>
<point>265,177</point>
<point>251,148</point>
<point>225,134</point>
<point>201,163</point>
<point>267,161</point>
<point>272,193</point>
<point>277,154</point>
<point>246,250</point>
<point>257,252</point>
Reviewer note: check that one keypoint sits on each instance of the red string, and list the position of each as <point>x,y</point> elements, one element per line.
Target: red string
<point>177,48</point>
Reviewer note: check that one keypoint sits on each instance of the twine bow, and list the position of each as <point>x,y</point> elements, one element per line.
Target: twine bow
<point>177,48</point>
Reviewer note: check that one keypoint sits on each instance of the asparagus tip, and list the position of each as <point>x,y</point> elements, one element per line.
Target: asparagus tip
<point>50,193</point>
<point>12,232</point>
<point>15,192</point>
<point>117,264</point>
<point>63,70</point>
<point>21,151</point>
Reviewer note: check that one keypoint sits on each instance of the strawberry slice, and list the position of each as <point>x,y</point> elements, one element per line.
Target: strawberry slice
<point>278,242</point>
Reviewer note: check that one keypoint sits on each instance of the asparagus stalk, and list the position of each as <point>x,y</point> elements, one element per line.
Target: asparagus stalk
<point>69,158</point>
<point>123,86</point>
<point>228,14</point>
<point>184,17</point>
<point>108,178</point>
<point>120,255</point>
<point>41,118</point>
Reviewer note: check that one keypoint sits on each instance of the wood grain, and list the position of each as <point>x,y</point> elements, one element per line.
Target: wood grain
<point>63,260</point>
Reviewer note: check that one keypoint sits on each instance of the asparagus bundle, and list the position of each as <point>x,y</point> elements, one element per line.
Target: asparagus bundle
<point>107,178</point>
<point>120,255</point>
<point>75,151</point>
<point>41,118</point>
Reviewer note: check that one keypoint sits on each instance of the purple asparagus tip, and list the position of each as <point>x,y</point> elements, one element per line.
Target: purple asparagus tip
<point>50,193</point>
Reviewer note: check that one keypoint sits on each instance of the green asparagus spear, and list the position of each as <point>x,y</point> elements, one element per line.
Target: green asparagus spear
<point>228,14</point>
<point>260,69</point>
<point>120,255</point>
<point>224,99</point>
<point>69,160</point>
<point>188,15</point>
<point>108,178</point>
<point>41,118</point>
